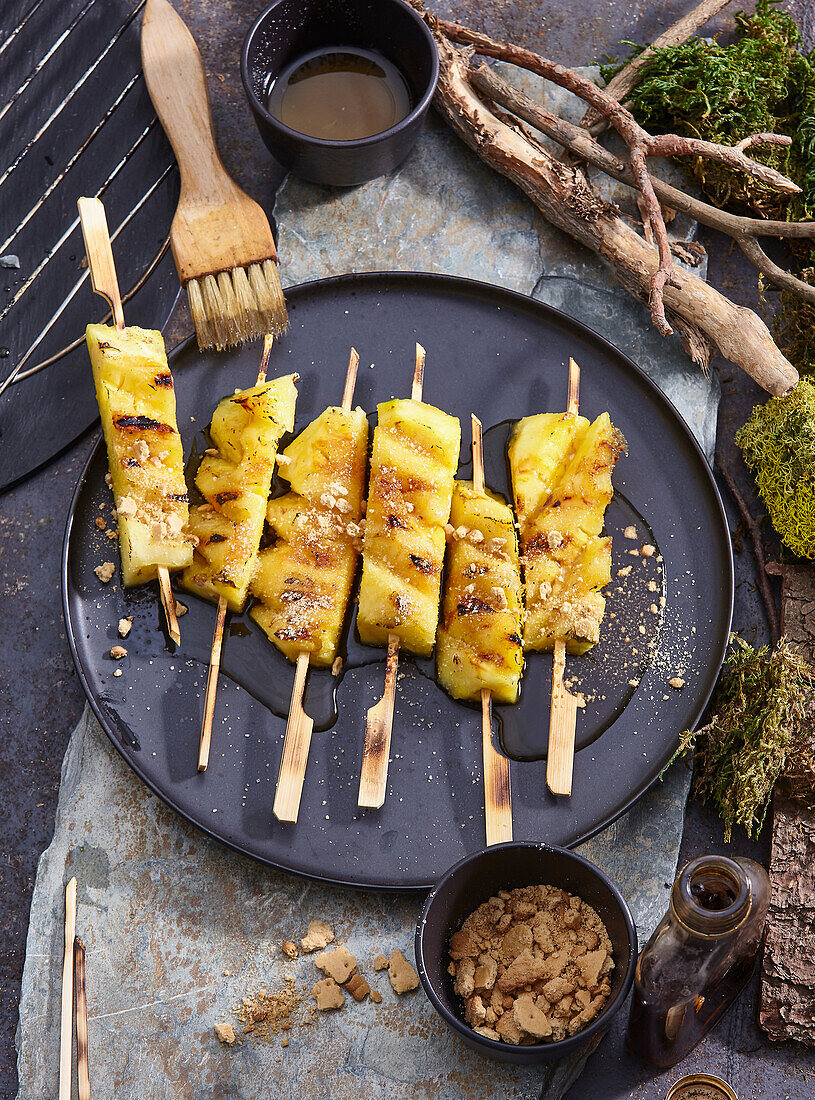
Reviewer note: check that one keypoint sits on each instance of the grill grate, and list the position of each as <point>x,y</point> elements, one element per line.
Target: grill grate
<point>75,119</point>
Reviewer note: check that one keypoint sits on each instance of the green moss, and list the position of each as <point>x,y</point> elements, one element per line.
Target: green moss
<point>760,83</point>
<point>778,444</point>
<point>760,721</point>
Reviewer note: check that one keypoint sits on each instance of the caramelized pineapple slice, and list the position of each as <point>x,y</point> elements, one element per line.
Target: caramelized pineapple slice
<point>246,429</point>
<point>136,398</point>
<point>479,639</point>
<point>413,463</point>
<point>304,581</point>
<point>561,479</point>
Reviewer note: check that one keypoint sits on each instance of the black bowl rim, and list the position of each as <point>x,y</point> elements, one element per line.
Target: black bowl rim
<point>332,143</point>
<point>562,1047</point>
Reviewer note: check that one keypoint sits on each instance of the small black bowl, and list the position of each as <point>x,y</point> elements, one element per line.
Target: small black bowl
<point>505,867</point>
<point>287,29</point>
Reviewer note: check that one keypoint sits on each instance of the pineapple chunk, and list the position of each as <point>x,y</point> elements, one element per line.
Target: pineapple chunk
<point>561,478</point>
<point>479,639</point>
<point>413,463</point>
<point>136,398</point>
<point>304,581</point>
<point>246,429</point>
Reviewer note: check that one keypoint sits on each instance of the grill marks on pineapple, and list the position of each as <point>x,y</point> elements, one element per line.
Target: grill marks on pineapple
<point>414,458</point>
<point>141,423</point>
<point>304,580</point>
<point>479,640</point>
<point>566,561</point>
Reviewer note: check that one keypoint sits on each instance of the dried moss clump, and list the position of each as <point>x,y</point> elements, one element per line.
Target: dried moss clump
<point>761,720</point>
<point>778,444</point>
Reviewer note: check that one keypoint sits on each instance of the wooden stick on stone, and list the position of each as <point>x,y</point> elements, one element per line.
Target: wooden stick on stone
<point>497,790</point>
<point>105,283</point>
<point>563,713</point>
<point>83,1080</point>
<point>300,726</point>
<point>218,635</point>
<point>67,1007</point>
<point>373,779</point>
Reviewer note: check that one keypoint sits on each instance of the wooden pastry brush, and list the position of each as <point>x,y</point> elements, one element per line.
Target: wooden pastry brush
<point>222,242</point>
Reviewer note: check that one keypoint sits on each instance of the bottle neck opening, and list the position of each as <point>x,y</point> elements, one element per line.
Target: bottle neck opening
<point>711,895</point>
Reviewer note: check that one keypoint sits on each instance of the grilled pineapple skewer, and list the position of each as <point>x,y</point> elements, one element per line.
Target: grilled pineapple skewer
<point>561,477</point>
<point>479,648</point>
<point>413,463</point>
<point>304,581</point>
<point>134,388</point>
<point>235,482</point>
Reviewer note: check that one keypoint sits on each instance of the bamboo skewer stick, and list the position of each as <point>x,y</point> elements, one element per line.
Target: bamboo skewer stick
<point>220,618</point>
<point>373,779</point>
<point>497,791</point>
<point>82,1070</point>
<point>105,283</point>
<point>563,712</point>
<point>299,726</point>
<point>67,1007</point>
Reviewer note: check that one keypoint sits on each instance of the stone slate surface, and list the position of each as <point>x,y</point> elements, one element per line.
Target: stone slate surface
<point>177,927</point>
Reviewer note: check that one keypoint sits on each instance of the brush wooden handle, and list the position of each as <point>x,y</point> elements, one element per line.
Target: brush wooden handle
<point>217,226</point>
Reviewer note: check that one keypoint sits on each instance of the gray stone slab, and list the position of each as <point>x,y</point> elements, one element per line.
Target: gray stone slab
<point>177,927</point>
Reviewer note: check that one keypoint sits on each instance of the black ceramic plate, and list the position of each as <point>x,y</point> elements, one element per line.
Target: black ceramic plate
<point>75,119</point>
<point>502,356</point>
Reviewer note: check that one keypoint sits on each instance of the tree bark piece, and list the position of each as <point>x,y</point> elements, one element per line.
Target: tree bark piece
<point>787,1009</point>
<point>705,318</point>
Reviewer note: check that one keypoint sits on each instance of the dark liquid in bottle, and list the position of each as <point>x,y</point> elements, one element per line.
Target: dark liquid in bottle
<point>342,94</point>
<point>663,1037</point>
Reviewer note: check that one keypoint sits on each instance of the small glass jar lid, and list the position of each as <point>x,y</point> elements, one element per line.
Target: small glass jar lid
<point>701,1086</point>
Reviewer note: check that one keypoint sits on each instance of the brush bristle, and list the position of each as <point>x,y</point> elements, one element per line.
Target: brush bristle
<point>237,305</point>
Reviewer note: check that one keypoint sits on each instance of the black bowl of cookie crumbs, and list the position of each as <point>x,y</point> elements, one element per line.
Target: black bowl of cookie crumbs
<point>526,951</point>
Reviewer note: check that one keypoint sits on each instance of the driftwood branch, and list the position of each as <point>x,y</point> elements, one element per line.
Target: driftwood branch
<point>628,77</point>
<point>706,319</point>
<point>641,146</point>
<point>581,144</point>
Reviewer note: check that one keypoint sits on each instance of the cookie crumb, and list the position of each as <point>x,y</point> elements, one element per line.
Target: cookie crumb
<point>630,532</point>
<point>225,1033</point>
<point>327,994</point>
<point>402,975</point>
<point>289,948</point>
<point>117,652</point>
<point>648,550</point>
<point>336,667</point>
<point>105,571</point>
<point>358,987</point>
<point>677,682</point>
<point>124,626</point>
<point>180,609</point>
<point>319,935</point>
<point>376,996</point>
<point>381,962</point>
<point>339,964</point>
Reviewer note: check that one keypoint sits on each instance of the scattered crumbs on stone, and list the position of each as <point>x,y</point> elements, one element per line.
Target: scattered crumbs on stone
<point>677,682</point>
<point>180,608</point>
<point>117,652</point>
<point>105,571</point>
<point>319,935</point>
<point>381,962</point>
<point>225,1033</point>
<point>336,667</point>
<point>100,523</point>
<point>648,550</point>
<point>626,569</point>
<point>284,1042</point>
<point>376,996</point>
<point>630,532</point>
<point>289,948</point>
<point>402,975</point>
<point>327,994</point>
<point>265,1014</point>
<point>125,626</point>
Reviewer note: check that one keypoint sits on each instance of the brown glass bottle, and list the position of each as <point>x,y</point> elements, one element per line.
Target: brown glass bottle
<point>699,958</point>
